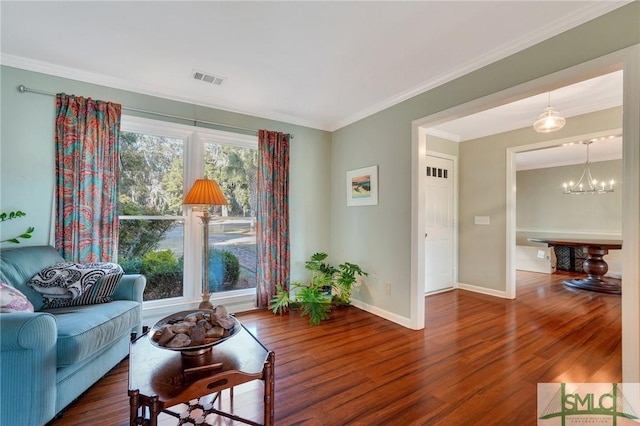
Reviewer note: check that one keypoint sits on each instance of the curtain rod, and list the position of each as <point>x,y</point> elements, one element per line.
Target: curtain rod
<point>22,89</point>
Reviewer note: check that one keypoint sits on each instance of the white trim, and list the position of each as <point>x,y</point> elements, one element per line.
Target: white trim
<point>483,290</point>
<point>418,164</point>
<point>151,217</point>
<point>442,134</point>
<point>233,301</point>
<point>510,219</point>
<point>135,124</point>
<point>443,290</point>
<point>631,217</point>
<point>607,234</point>
<point>403,321</point>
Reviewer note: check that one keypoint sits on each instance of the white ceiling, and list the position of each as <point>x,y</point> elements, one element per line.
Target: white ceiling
<point>581,98</point>
<point>318,64</point>
<point>600,149</point>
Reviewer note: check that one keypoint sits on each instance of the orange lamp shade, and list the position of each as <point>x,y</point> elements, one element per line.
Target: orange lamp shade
<point>205,192</point>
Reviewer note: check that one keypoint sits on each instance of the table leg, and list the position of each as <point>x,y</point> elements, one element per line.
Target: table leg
<point>595,267</point>
<point>269,390</point>
<point>137,403</point>
<point>134,404</point>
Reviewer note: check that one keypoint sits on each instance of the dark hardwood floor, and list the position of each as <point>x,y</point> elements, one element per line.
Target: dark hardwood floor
<point>477,362</point>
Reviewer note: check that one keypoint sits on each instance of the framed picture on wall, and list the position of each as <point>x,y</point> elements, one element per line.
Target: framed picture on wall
<point>362,186</point>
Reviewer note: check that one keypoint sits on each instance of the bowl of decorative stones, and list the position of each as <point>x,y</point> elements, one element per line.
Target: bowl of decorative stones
<point>194,332</point>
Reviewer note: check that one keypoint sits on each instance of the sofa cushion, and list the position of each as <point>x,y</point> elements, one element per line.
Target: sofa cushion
<point>19,264</point>
<point>86,330</point>
<point>11,300</point>
<point>73,284</point>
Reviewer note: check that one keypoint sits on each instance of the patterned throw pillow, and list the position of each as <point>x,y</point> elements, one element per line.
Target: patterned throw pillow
<point>12,300</point>
<point>74,284</point>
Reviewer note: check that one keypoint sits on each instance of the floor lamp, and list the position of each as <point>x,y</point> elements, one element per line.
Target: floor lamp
<point>205,193</point>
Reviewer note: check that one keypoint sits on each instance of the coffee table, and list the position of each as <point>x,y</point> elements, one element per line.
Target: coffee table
<point>161,378</point>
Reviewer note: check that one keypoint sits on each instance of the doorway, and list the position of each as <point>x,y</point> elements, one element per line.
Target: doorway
<point>629,61</point>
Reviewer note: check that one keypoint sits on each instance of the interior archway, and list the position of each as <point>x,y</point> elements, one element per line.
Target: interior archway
<point>629,61</point>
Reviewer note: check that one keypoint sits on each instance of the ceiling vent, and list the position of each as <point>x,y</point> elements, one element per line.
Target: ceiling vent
<point>207,77</point>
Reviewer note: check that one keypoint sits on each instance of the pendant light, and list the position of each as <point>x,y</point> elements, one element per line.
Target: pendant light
<point>549,121</point>
<point>587,184</point>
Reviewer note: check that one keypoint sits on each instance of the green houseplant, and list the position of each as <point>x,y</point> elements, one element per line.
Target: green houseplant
<point>328,285</point>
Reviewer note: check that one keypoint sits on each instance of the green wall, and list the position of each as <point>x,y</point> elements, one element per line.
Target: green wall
<point>442,146</point>
<point>542,206</point>
<point>27,171</point>
<point>379,237</point>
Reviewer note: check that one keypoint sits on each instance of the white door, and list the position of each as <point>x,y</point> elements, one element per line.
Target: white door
<point>439,231</point>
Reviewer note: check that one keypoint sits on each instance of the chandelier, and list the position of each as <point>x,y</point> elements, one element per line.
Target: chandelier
<point>549,121</point>
<point>587,184</point>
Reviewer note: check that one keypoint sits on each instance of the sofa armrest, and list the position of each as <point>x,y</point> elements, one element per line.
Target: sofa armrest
<point>131,287</point>
<point>28,367</point>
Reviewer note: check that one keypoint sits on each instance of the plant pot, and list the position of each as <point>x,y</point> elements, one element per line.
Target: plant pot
<point>325,292</point>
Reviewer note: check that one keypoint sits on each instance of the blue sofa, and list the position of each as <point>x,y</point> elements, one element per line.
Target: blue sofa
<point>49,357</point>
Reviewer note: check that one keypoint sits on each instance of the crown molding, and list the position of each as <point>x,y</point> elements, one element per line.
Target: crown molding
<point>442,134</point>
<point>554,28</point>
<point>145,89</point>
<point>588,108</point>
<point>591,11</point>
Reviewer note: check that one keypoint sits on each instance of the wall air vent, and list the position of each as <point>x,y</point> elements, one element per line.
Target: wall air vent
<point>207,77</point>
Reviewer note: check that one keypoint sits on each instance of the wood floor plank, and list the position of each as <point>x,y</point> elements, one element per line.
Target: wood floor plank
<point>478,361</point>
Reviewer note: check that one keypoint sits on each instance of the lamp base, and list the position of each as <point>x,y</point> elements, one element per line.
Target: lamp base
<point>205,304</point>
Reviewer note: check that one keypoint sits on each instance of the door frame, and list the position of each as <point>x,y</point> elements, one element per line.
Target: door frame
<point>454,236</point>
<point>628,60</point>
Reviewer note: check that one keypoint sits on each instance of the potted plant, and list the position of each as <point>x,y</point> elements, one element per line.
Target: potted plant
<point>328,285</point>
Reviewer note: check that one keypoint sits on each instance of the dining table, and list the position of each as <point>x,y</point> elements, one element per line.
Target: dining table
<point>594,265</point>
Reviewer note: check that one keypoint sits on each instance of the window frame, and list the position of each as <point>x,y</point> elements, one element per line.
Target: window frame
<point>194,138</point>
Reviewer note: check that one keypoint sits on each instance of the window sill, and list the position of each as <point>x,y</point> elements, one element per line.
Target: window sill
<point>234,301</point>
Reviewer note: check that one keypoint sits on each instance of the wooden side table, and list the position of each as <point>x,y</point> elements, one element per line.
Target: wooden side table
<point>161,378</point>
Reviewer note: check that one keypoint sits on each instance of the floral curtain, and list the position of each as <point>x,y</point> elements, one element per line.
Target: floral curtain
<point>272,214</point>
<point>87,135</point>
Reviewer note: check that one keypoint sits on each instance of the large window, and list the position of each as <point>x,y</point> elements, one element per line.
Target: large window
<point>161,238</point>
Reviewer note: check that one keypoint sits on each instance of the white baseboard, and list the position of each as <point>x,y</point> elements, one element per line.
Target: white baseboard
<point>483,290</point>
<point>443,290</point>
<point>390,316</point>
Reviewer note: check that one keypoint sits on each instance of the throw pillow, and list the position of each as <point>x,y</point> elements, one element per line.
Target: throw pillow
<point>101,292</point>
<point>12,300</point>
<point>74,284</point>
